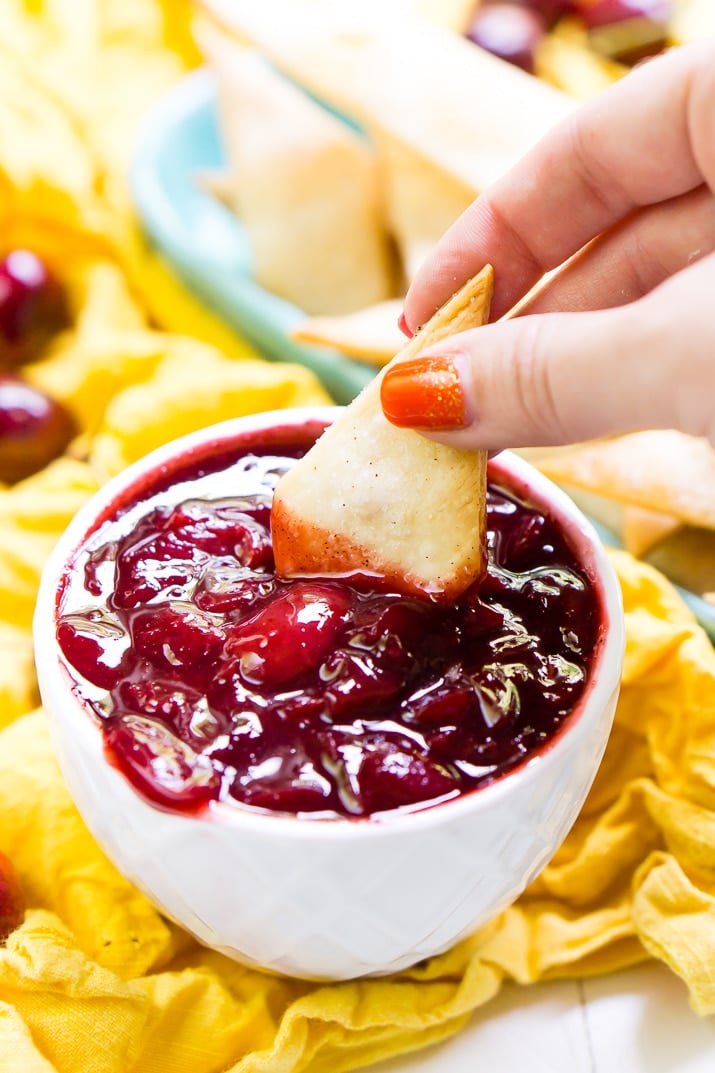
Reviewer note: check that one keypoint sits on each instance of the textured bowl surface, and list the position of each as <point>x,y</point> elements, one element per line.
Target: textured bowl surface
<point>321,898</point>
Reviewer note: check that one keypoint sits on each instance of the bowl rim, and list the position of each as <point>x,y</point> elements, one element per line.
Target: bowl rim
<point>59,685</point>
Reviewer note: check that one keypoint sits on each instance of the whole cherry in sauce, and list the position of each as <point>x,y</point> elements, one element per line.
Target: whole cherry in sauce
<point>510,31</point>
<point>33,308</point>
<point>214,680</point>
<point>12,899</point>
<point>34,429</point>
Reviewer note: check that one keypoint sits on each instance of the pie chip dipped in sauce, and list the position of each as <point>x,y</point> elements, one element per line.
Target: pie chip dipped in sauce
<point>371,499</point>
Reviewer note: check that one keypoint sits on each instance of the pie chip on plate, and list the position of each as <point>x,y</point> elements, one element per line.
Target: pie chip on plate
<point>305,186</point>
<point>462,109</point>
<point>643,529</point>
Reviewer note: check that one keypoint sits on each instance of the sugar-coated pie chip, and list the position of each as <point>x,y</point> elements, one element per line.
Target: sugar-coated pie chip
<point>370,498</point>
<point>304,184</point>
<point>370,334</point>
<point>467,112</point>
<point>644,529</point>
<point>659,470</point>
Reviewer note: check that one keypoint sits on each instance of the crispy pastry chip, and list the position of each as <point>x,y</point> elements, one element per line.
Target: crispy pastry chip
<point>464,110</point>
<point>659,470</point>
<point>687,557</point>
<point>371,498</point>
<point>305,186</point>
<point>370,335</point>
<point>644,529</point>
<point>421,200</point>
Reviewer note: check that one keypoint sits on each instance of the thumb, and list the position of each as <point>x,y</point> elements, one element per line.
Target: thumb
<point>539,380</point>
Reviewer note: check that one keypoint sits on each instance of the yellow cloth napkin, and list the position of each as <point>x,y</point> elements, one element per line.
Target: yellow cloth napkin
<point>95,980</point>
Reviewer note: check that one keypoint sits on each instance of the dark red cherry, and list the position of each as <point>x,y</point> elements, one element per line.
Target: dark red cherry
<point>223,528</point>
<point>34,429</point>
<point>291,634</point>
<point>154,560</point>
<point>12,901</point>
<point>390,776</point>
<point>33,308</point>
<point>550,10</point>
<point>96,646</point>
<point>509,31</point>
<point>179,639</point>
<point>161,766</point>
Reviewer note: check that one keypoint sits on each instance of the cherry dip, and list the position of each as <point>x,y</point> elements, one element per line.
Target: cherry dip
<point>214,680</point>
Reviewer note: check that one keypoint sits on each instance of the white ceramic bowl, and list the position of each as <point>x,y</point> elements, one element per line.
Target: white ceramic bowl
<point>321,898</point>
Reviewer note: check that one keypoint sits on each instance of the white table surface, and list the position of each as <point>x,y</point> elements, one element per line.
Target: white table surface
<point>636,1021</point>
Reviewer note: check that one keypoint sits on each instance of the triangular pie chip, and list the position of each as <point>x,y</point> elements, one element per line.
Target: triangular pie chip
<point>370,498</point>
<point>421,200</point>
<point>467,112</point>
<point>304,184</point>
<point>643,529</point>
<point>660,470</point>
<point>687,557</point>
<point>370,335</point>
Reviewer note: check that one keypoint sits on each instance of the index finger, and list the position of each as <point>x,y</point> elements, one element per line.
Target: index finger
<point>629,147</point>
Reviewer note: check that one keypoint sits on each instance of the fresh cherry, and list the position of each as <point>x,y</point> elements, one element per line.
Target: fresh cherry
<point>34,429</point>
<point>12,900</point>
<point>509,31</point>
<point>33,308</point>
<point>550,10</point>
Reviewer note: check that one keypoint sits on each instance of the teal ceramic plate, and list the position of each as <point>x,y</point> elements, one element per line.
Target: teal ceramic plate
<point>205,243</point>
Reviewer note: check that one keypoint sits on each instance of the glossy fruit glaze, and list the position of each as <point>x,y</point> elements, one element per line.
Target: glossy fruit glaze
<point>214,680</point>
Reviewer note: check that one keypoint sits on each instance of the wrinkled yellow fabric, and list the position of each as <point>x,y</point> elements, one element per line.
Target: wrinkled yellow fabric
<point>95,980</point>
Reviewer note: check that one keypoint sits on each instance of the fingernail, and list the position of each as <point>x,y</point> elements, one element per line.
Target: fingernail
<point>404,326</point>
<point>424,393</point>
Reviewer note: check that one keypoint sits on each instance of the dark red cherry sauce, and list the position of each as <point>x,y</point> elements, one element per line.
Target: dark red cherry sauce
<point>212,679</point>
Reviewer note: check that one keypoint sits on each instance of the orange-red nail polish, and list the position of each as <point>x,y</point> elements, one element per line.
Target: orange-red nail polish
<point>424,393</point>
<point>404,326</point>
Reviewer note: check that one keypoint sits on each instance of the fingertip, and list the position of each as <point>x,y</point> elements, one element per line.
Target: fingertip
<point>404,326</point>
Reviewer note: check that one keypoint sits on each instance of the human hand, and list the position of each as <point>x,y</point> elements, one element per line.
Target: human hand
<point>620,198</point>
